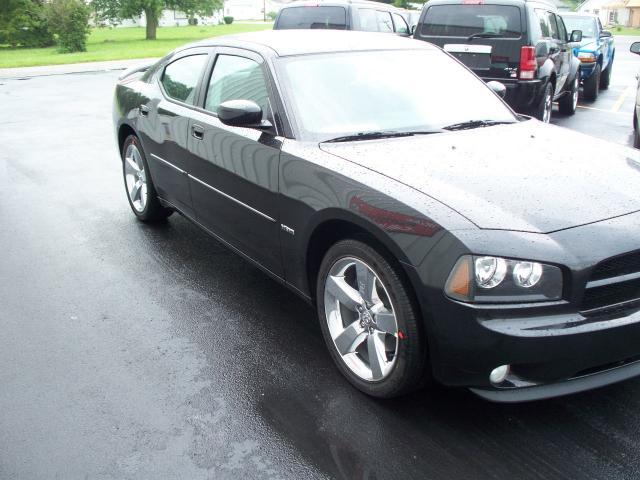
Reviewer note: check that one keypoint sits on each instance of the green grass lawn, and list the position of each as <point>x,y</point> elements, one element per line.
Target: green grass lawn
<point>121,43</point>
<point>624,31</point>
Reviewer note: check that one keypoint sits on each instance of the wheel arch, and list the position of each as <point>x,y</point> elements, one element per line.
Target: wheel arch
<point>123,132</point>
<point>333,225</point>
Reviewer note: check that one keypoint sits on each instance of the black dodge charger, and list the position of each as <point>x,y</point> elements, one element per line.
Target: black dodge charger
<point>439,235</point>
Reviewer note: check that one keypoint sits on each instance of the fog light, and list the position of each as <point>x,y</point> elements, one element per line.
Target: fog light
<point>499,374</point>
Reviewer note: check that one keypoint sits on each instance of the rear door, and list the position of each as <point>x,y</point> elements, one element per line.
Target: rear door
<point>485,37</point>
<point>551,46</point>
<point>164,125</point>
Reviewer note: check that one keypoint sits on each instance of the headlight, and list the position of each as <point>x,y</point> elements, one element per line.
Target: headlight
<point>500,280</point>
<point>586,57</point>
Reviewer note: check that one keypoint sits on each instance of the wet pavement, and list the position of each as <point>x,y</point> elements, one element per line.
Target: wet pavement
<point>130,351</point>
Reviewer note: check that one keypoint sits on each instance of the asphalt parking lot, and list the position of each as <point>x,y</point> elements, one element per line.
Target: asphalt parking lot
<point>130,351</point>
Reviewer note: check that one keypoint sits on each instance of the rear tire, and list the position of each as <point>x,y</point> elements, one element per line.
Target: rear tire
<point>592,84</point>
<point>138,184</point>
<point>544,108</point>
<point>568,104</point>
<point>369,321</point>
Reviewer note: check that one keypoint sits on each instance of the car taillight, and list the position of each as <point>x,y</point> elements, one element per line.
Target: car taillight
<point>528,63</point>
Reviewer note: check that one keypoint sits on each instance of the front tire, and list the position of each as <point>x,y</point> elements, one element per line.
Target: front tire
<point>141,193</point>
<point>369,321</point>
<point>568,104</point>
<point>592,85</point>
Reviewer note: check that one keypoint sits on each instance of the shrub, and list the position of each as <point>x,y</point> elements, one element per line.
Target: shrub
<point>228,20</point>
<point>23,22</point>
<point>69,21</point>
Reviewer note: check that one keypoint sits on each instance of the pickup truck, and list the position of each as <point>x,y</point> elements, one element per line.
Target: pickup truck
<point>595,52</point>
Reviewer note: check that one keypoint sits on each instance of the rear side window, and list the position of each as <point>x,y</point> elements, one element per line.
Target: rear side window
<point>463,20</point>
<point>334,18</point>
<point>180,78</point>
<point>384,22</point>
<point>368,19</point>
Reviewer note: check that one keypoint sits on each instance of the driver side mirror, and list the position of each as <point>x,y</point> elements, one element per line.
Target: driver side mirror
<point>498,88</point>
<point>635,48</point>
<point>242,113</point>
<point>605,34</point>
<point>576,36</point>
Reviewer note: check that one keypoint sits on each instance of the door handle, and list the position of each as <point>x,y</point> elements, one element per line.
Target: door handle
<point>197,131</point>
<point>144,110</point>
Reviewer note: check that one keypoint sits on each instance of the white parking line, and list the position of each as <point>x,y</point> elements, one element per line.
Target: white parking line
<point>602,110</point>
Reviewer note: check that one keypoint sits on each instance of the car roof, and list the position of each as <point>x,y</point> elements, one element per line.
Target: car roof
<point>282,43</point>
<point>340,3</point>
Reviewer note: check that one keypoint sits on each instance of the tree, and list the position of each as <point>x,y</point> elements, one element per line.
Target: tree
<point>23,22</point>
<point>152,9</point>
<point>69,20</point>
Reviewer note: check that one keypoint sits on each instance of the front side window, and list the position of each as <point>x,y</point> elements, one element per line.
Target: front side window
<point>561,29</point>
<point>312,16</point>
<point>554,26</point>
<point>465,20</point>
<point>237,78</point>
<point>346,93</point>
<point>180,77</point>
<point>401,24</point>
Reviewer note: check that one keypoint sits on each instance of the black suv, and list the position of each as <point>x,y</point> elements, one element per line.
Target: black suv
<point>523,44</point>
<point>343,15</point>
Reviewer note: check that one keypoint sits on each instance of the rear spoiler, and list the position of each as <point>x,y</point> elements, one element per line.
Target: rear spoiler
<point>136,69</point>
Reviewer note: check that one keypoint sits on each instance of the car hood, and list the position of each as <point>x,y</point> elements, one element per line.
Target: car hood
<point>588,45</point>
<point>528,176</point>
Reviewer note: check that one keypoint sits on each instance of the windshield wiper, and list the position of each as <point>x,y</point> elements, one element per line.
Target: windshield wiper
<point>484,35</point>
<point>380,134</point>
<point>474,124</point>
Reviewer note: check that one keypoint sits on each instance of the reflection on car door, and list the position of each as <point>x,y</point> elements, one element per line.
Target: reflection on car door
<point>164,126</point>
<point>565,53</point>
<point>233,172</point>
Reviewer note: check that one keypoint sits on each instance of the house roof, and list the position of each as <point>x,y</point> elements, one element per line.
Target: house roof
<point>633,4</point>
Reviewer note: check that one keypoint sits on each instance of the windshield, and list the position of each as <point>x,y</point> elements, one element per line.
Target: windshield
<point>403,90</point>
<point>586,24</point>
<point>466,20</point>
<point>312,16</point>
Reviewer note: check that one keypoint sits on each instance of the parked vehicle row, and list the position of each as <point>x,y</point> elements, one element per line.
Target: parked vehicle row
<point>439,235</point>
<point>540,55</point>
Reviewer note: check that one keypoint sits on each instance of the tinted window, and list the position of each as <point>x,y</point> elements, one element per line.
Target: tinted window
<point>465,20</point>
<point>544,23</point>
<point>554,26</point>
<point>237,78</point>
<point>368,20</point>
<point>384,21</point>
<point>561,28</point>
<point>401,24</point>
<point>586,24</point>
<point>181,77</point>
<point>313,17</point>
<point>345,93</point>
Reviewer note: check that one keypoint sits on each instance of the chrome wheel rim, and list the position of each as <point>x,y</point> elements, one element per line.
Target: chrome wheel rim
<point>576,90</point>
<point>361,319</point>
<point>548,105</point>
<point>135,178</point>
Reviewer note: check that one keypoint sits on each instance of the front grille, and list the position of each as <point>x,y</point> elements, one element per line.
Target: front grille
<point>614,297</point>
<point>616,266</point>
<point>611,294</point>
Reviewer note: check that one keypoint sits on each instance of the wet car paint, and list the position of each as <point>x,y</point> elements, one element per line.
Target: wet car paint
<point>103,381</point>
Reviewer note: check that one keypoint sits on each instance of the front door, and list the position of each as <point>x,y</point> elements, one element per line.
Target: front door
<point>233,172</point>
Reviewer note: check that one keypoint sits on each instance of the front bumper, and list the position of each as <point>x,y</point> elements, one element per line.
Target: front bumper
<point>553,348</point>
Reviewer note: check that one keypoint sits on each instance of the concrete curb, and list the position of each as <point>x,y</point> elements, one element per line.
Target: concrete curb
<point>30,72</point>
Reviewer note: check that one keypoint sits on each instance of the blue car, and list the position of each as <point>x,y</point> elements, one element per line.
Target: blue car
<point>595,52</point>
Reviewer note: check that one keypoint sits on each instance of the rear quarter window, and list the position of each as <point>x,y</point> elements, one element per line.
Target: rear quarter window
<point>312,17</point>
<point>463,20</point>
